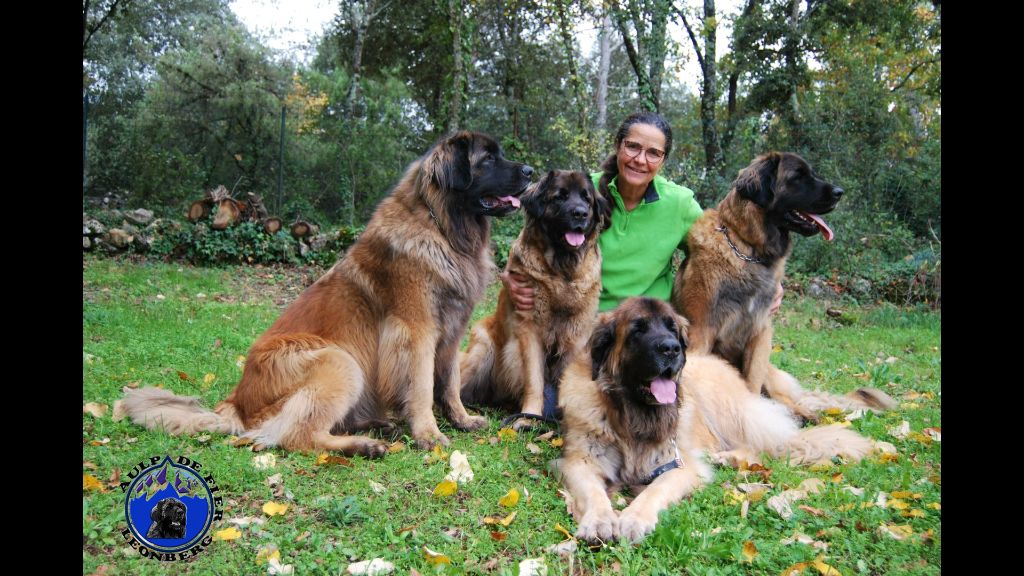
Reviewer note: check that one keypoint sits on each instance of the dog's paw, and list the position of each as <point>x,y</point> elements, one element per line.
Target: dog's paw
<point>634,526</point>
<point>733,458</point>
<point>597,526</point>
<point>373,448</point>
<point>429,442</point>
<point>522,424</point>
<point>471,423</point>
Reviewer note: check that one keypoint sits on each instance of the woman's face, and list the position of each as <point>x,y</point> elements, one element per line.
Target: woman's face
<point>645,141</point>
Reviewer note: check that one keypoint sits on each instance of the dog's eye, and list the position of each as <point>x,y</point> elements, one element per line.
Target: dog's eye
<point>670,325</point>
<point>562,193</point>
<point>639,327</point>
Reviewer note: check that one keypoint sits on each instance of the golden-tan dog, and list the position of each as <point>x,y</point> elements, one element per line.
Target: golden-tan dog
<point>379,332</point>
<point>642,413</point>
<point>736,258</point>
<point>513,355</point>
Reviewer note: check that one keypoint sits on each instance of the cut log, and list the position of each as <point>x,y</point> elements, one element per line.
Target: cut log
<point>257,210</point>
<point>228,212</point>
<point>272,225</point>
<point>198,210</point>
<point>302,229</point>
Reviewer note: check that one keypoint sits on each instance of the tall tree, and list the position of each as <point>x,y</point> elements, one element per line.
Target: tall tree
<point>643,25</point>
<point>706,53</point>
<point>360,13</point>
<point>455,16</point>
<point>605,59</point>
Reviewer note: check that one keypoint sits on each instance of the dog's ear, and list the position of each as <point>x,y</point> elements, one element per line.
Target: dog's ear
<point>756,182</point>
<point>451,162</point>
<point>601,343</point>
<point>533,198</point>
<point>157,513</point>
<point>602,206</point>
<point>682,330</point>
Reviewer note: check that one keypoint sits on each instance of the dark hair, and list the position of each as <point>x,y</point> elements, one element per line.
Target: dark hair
<point>610,167</point>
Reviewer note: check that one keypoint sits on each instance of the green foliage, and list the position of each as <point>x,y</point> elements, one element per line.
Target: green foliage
<point>243,243</point>
<point>343,512</point>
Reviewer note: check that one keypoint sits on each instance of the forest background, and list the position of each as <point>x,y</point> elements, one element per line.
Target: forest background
<point>179,98</point>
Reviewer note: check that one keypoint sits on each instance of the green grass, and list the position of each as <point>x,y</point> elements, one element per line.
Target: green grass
<point>132,336</point>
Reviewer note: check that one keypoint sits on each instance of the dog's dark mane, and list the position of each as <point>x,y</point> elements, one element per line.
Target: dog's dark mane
<point>644,422</point>
<point>563,261</point>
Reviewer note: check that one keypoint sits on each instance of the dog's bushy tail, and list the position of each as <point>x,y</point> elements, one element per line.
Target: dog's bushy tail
<point>818,400</point>
<point>819,444</point>
<point>156,408</point>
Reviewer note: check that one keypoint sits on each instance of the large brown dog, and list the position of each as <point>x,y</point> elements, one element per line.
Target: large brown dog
<point>737,257</point>
<point>513,355</point>
<point>634,415</point>
<point>380,331</point>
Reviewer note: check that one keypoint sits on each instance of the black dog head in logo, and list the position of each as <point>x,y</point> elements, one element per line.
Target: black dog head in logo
<point>168,519</point>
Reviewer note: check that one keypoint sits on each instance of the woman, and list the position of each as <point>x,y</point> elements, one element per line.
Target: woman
<point>650,218</point>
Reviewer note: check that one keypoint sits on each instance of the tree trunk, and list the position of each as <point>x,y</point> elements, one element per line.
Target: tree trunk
<point>741,43</point>
<point>713,161</point>
<point>455,23</point>
<point>647,52</point>
<point>565,28</point>
<point>358,12</point>
<point>602,74</point>
<point>791,48</point>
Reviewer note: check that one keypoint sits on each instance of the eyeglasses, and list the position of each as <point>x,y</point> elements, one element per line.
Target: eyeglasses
<point>633,149</point>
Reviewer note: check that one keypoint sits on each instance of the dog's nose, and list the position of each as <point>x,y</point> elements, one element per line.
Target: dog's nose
<point>579,213</point>
<point>837,192</point>
<point>527,170</point>
<point>670,347</point>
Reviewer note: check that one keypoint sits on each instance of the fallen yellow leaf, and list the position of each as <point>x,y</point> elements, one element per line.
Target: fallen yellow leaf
<point>897,504</point>
<point>96,410</point>
<point>435,558</point>
<point>913,513</point>
<point>209,378</point>
<point>896,531</point>
<point>561,529</point>
<point>557,442</point>
<point>90,482</point>
<point>229,533</point>
<point>796,569</point>
<point>396,447</point>
<point>240,361</point>
<point>446,488</point>
<point>274,509</point>
<point>509,500</point>
<point>506,434</point>
<point>833,411</point>
<point>934,506</point>
<point>267,553</point>
<point>825,569</point>
<point>749,551</point>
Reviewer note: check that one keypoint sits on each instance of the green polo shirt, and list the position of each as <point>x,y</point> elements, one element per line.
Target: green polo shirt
<point>636,251</point>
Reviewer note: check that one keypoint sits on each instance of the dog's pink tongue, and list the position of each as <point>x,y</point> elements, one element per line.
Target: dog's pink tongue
<point>664,390</point>
<point>822,227</point>
<point>574,238</point>
<point>510,199</point>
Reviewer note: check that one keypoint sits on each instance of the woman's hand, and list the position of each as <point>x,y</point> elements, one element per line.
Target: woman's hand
<point>520,291</point>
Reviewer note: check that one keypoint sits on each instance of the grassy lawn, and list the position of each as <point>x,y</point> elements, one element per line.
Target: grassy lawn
<point>188,329</point>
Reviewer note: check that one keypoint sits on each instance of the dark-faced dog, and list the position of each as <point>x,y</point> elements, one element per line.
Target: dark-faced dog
<point>642,411</point>
<point>515,359</point>
<point>168,519</point>
<point>378,334</point>
<point>736,258</point>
